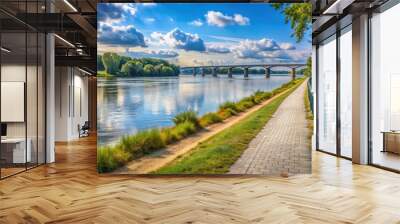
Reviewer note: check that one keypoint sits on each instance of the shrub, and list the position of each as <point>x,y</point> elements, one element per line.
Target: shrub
<point>190,116</point>
<point>261,96</point>
<point>167,136</point>
<point>258,98</point>
<point>142,143</point>
<point>210,118</point>
<point>183,129</point>
<point>110,158</point>
<point>245,104</point>
<point>229,105</point>
<point>267,95</point>
<point>226,113</point>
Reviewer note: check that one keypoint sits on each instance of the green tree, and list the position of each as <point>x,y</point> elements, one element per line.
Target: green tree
<point>100,66</point>
<point>166,71</point>
<point>148,70</point>
<point>157,69</point>
<point>299,15</point>
<point>307,70</point>
<point>123,60</point>
<point>111,62</point>
<point>132,68</point>
<point>176,69</point>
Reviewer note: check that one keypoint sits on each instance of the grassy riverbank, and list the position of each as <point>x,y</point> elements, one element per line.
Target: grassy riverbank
<point>187,123</point>
<point>216,155</point>
<point>309,115</point>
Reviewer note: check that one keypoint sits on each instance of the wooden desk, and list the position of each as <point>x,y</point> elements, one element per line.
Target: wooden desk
<point>391,141</point>
<point>13,150</point>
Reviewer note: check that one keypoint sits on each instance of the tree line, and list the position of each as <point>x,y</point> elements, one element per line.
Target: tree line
<point>112,64</point>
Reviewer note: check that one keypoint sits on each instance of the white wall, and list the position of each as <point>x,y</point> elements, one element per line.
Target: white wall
<point>71,87</point>
<point>33,126</point>
<point>10,73</point>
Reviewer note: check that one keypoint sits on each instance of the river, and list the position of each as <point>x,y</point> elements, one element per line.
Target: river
<point>127,105</point>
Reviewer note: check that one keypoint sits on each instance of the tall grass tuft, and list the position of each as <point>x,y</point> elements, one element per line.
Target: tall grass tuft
<point>183,130</point>
<point>187,116</point>
<point>142,143</point>
<point>229,105</point>
<point>110,158</point>
<point>209,118</point>
<point>245,103</point>
<point>167,136</point>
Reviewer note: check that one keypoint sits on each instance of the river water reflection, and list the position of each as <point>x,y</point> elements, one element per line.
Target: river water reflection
<point>126,105</point>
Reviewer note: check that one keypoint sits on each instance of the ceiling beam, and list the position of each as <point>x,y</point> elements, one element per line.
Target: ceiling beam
<point>78,61</point>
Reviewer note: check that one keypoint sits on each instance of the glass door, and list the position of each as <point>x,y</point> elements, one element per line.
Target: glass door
<point>327,95</point>
<point>14,154</point>
<point>346,92</point>
<point>22,91</point>
<point>385,89</point>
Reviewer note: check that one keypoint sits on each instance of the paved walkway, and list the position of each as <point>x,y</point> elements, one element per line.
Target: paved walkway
<point>282,147</point>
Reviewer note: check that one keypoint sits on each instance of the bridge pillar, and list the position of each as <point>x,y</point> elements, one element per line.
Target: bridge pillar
<point>293,73</point>
<point>203,73</point>
<point>194,71</point>
<point>246,72</point>
<point>214,71</point>
<point>230,72</point>
<point>267,72</point>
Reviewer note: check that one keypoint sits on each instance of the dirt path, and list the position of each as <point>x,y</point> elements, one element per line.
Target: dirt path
<point>162,157</point>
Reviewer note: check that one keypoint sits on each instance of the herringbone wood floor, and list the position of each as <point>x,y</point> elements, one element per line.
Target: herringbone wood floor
<point>71,191</point>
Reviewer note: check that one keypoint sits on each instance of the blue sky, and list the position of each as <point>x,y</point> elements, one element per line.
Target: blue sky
<point>199,34</point>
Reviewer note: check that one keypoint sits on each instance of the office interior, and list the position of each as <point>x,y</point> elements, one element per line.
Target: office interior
<point>48,82</point>
<point>356,81</point>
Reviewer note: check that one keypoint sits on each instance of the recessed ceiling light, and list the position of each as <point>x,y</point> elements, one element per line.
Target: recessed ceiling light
<point>70,5</point>
<point>86,72</point>
<point>5,50</point>
<point>337,7</point>
<point>64,40</point>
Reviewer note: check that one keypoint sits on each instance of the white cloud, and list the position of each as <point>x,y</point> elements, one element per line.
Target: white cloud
<point>148,4</point>
<point>218,48</point>
<point>179,40</point>
<point>120,35</point>
<point>196,22</point>
<point>114,13</point>
<point>263,48</point>
<point>127,7</point>
<point>216,18</point>
<point>241,20</point>
<point>287,46</point>
<point>225,38</point>
<point>154,54</point>
<point>150,20</point>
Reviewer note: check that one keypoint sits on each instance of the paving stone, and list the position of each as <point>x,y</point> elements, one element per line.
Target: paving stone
<point>282,146</point>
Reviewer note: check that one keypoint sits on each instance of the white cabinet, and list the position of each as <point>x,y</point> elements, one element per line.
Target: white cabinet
<point>19,155</point>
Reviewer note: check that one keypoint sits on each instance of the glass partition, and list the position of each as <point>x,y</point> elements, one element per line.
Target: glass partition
<point>22,90</point>
<point>385,89</point>
<point>327,95</point>
<point>346,92</point>
<point>14,154</point>
<point>32,98</point>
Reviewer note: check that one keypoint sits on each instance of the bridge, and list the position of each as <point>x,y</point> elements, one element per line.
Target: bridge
<point>245,68</point>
